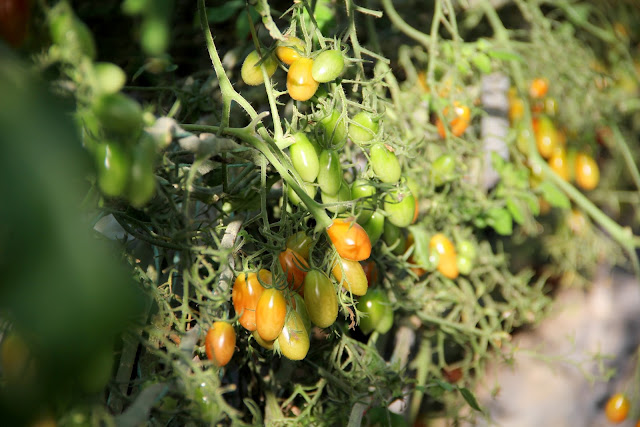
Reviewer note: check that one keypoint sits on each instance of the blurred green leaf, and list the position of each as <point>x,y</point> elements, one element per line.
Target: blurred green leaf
<point>553,195</point>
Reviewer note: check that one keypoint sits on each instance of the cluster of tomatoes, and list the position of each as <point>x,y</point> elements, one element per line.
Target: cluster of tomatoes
<point>568,163</point>
<point>304,74</point>
<point>282,309</point>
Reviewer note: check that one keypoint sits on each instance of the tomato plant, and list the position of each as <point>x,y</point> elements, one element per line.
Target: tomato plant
<point>270,314</point>
<point>300,83</point>
<point>308,188</point>
<point>220,343</point>
<point>294,338</point>
<point>320,298</point>
<point>587,173</point>
<point>351,275</point>
<point>343,195</point>
<point>385,163</point>
<point>363,189</point>
<point>251,71</point>
<point>327,66</point>
<point>350,239</point>
<point>294,266</point>
<point>617,408</point>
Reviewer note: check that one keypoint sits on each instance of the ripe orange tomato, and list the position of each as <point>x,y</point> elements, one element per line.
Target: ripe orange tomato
<point>459,123</point>
<point>290,50</point>
<point>559,164</point>
<point>245,294</point>
<point>538,87</point>
<point>617,408</point>
<point>300,82</point>
<point>270,314</point>
<point>587,172</point>
<point>546,136</point>
<point>447,264</point>
<point>351,275</point>
<point>294,266</point>
<point>294,339</point>
<point>516,109</point>
<point>220,343</point>
<point>264,344</point>
<point>349,239</point>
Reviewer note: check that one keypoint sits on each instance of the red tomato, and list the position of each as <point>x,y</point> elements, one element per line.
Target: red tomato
<point>294,266</point>
<point>220,343</point>
<point>270,314</point>
<point>349,239</point>
<point>14,20</point>
<point>245,294</point>
<point>617,408</point>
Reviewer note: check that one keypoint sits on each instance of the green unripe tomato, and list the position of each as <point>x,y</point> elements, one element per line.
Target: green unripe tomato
<point>321,298</point>
<point>363,128</point>
<point>482,62</point>
<point>374,226</point>
<point>301,309</point>
<point>362,188</point>
<point>119,115</point>
<point>343,195</point>
<point>393,237</point>
<point>327,66</point>
<point>304,158</point>
<point>294,337</point>
<point>334,130</point>
<point>251,73</point>
<point>400,207</point>
<point>142,182</point>
<point>379,314</point>
<point>154,34</point>
<point>467,249</point>
<point>385,164</point>
<point>442,169</point>
<point>465,264</point>
<point>113,164</point>
<point>308,187</point>
<point>330,172</point>
<point>69,32</point>
<point>109,78</point>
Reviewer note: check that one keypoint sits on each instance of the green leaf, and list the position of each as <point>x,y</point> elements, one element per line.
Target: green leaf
<point>225,12</point>
<point>515,209</point>
<point>445,385</point>
<point>500,220</point>
<point>497,161</point>
<point>421,246</point>
<point>470,398</point>
<point>505,55</point>
<point>532,201</point>
<point>554,196</point>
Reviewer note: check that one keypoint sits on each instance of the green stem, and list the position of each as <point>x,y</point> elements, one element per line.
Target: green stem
<point>402,25</point>
<point>422,363</point>
<point>314,208</point>
<point>626,154</point>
